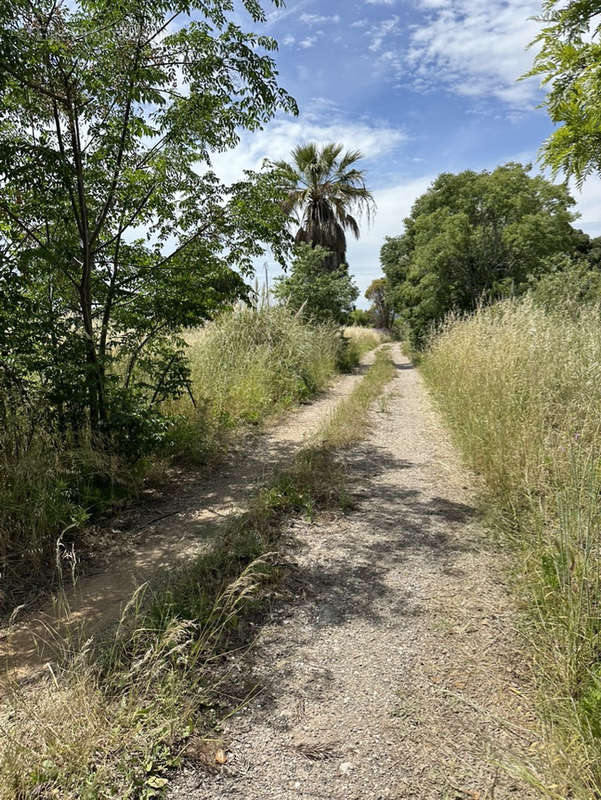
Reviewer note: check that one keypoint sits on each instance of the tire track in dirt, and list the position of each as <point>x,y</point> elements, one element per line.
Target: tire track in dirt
<point>390,668</point>
<point>181,532</point>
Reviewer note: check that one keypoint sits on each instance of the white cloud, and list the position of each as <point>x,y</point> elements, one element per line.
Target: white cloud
<point>588,203</point>
<point>394,204</point>
<point>288,39</point>
<point>281,13</point>
<point>281,135</point>
<point>476,48</point>
<point>309,41</point>
<point>317,19</point>
<point>378,33</point>
<point>380,2</point>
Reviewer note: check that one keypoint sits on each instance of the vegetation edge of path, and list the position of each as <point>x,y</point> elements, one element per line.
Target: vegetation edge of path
<point>114,719</point>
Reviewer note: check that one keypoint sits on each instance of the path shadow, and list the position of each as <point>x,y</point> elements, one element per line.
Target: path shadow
<point>392,525</point>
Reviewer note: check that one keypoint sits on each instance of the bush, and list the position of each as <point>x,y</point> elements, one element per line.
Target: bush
<point>360,318</point>
<point>569,284</point>
<point>520,387</point>
<point>321,295</point>
<point>250,363</point>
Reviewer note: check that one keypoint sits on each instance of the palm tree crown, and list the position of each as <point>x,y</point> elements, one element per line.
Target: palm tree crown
<point>325,193</point>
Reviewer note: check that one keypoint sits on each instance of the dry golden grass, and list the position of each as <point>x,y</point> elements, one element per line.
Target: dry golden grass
<point>521,388</point>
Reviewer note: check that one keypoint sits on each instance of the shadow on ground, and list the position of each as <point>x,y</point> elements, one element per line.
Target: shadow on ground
<point>392,523</point>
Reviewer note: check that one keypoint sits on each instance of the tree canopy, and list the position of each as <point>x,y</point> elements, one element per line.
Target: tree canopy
<point>320,295</point>
<point>325,194</point>
<point>475,236</point>
<point>114,232</point>
<point>569,61</point>
<point>381,312</point>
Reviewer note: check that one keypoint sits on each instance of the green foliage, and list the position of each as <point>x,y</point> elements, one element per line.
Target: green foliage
<point>569,285</point>
<point>320,295</point>
<point>108,114</point>
<point>569,61</point>
<point>381,310</point>
<point>360,318</point>
<point>324,191</point>
<point>243,367</point>
<point>474,237</point>
<point>249,364</point>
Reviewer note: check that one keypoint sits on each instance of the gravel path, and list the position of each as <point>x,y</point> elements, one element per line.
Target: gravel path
<point>165,535</point>
<point>389,667</point>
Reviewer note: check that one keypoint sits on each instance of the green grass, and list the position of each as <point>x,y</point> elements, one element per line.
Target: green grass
<point>348,417</point>
<point>521,389</point>
<point>250,364</point>
<point>115,718</point>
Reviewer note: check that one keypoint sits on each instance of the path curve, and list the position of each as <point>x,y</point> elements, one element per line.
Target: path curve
<point>182,530</point>
<point>390,668</point>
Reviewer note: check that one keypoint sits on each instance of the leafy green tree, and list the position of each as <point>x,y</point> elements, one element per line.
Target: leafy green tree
<point>381,311</point>
<point>321,295</point>
<point>475,236</point>
<point>361,318</point>
<point>570,283</point>
<point>114,233</point>
<point>569,61</point>
<point>325,192</point>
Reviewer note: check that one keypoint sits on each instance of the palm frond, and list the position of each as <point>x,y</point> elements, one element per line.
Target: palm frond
<point>326,191</point>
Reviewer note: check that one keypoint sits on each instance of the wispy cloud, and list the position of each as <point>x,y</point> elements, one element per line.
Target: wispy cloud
<point>475,48</point>
<point>381,31</point>
<point>307,42</point>
<point>374,139</point>
<point>317,19</point>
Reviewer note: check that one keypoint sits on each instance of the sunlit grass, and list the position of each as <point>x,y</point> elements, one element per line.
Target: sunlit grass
<point>521,389</point>
<point>246,366</point>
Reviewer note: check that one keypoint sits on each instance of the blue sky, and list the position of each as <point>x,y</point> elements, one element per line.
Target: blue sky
<point>419,86</point>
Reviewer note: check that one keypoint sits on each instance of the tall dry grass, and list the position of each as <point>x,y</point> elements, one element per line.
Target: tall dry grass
<point>521,388</point>
<point>250,363</point>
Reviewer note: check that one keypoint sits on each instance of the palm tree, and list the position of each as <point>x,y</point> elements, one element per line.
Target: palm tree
<point>325,193</point>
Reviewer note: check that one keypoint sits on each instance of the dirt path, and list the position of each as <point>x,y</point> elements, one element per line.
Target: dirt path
<point>389,668</point>
<point>180,531</point>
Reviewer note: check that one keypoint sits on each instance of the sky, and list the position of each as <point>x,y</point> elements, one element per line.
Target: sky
<point>420,87</point>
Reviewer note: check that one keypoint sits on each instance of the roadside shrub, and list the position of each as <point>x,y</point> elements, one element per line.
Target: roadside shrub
<point>251,363</point>
<point>245,366</point>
